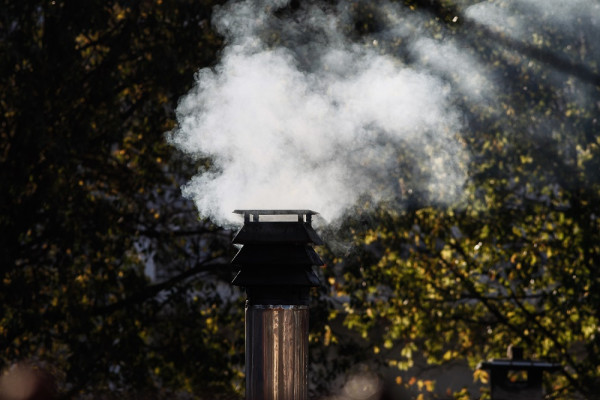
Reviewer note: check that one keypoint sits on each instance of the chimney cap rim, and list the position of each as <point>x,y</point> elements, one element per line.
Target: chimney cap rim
<point>276,212</point>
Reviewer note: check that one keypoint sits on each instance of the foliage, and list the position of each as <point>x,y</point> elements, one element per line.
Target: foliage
<point>91,206</point>
<point>516,262</point>
<point>91,202</point>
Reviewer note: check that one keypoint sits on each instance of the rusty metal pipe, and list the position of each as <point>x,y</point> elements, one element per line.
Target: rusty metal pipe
<point>276,352</point>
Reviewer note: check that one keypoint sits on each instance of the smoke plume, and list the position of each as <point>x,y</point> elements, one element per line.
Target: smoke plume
<point>296,114</point>
<point>312,122</point>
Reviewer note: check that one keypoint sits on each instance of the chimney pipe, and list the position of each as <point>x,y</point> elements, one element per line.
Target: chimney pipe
<point>526,380</point>
<point>275,263</point>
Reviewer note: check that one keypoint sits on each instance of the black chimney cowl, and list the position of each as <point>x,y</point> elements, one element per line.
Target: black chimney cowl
<point>276,258</point>
<point>504,387</point>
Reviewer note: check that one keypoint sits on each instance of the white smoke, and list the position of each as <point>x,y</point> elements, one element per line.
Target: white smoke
<point>566,29</point>
<point>314,123</point>
<point>522,18</point>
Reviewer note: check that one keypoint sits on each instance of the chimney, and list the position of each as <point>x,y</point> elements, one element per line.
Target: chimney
<point>275,263</point>
<point>517,378</point>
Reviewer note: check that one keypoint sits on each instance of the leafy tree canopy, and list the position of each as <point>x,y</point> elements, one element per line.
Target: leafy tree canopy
<point>110,281</point>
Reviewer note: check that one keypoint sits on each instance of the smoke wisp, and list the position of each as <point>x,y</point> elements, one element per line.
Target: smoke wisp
<point>314,122</point>
<point>297,114</point>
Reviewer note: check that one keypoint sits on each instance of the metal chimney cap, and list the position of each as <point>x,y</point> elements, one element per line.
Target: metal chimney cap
<point>518,362</point>
<point>276,212</point>
<point>303,215</point>
<point>504,363</point>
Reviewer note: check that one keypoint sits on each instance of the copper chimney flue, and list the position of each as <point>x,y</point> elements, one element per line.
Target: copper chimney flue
<point>275,263</point>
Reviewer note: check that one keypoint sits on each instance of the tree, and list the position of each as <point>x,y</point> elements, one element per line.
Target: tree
<point>516,262</point>
<point>91,208</point>
<point>91,205</point>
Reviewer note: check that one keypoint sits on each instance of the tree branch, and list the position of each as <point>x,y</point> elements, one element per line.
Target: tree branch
<point>152,290</point>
